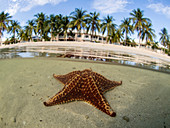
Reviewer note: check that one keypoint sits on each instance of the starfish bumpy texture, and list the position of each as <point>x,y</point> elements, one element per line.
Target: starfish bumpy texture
<point>87,86</point>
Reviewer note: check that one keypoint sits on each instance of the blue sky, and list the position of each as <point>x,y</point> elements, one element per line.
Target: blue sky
<point>157,10</point>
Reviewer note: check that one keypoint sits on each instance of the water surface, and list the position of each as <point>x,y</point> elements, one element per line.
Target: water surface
<point>142,61</point>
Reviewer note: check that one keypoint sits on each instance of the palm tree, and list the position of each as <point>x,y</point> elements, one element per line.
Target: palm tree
<point>51,25</point>
<point>78,19</point>
<point>94,23</point>
<point>126,28</point>
<point>139,21</point>
<point>41,18</point>
<point>30,28</point>
<point>46,32</point>
<point>57,28</point>
<point>148,33</point>
<point>14,28</point>
<point>4,20</point>
<point>164,37</point>
<point>115,36</point>
<point>118,36</point>
<point>108,25</point>
<point>23,35</point>
<point>65,25</point>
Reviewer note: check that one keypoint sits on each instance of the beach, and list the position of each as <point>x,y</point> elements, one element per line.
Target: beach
<point>112,55</point>
<point>141,101</point>
<point>111,47</point>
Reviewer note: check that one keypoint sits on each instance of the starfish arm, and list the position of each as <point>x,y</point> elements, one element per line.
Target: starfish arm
<point>104,83</point>
<point>68,93</point>
<point>93,96</point>
<point>111,85</point>
<point>65,78</point>
<point>102,105</point>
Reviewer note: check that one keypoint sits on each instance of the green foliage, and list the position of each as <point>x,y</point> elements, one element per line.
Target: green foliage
<point>108,26</point>
<point>154,46</point>
<point>164,37</point>
<point>14,28</point>
<point>48,27</point>
<point>11,40</point>
<point>78,19</point>
<point>93,22</point>
<point>126,28</point>
<point>4,22</point>
<point>139,21</point>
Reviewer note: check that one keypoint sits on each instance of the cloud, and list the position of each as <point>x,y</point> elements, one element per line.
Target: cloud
<point>110,6</point>
<point>26,5</point>
<point>13,8</point>
<point>160,8</point>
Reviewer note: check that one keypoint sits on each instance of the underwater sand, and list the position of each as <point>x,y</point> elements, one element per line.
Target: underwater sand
<point>142,101</point>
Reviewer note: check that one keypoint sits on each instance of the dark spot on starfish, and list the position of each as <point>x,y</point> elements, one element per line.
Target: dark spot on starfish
<point>84,85</point>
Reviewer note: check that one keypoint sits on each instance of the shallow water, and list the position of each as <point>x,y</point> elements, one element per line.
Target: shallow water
<point>141,101</point>
<point>142,61</point>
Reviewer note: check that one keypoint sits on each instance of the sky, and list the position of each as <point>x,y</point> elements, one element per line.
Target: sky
<point>156,10</point>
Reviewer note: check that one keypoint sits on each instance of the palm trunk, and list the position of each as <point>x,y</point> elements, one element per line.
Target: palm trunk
<point>31,36</point>
<point>92,35</point>
<point>65,36</point>
<point>139,36</point>
<point>107,38</point>
<point>41,34</point>
<point>146,41</point>
<point>51,36</point>
<point>0,37</point>
<point>164,46</point>
<point>14,38</point>
<point>75,36</point>
<point>126,39</point>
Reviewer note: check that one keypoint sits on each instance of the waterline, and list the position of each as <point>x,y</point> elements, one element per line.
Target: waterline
<point>87,54</point>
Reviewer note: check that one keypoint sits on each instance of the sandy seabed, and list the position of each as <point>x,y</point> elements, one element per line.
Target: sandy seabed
<point>142,101</point>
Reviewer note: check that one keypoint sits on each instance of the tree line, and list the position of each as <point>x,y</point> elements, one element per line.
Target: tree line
<point>47,27</point>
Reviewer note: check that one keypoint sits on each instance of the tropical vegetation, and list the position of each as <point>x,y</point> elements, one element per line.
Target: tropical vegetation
<point>4,21</point>
<point>48,27</point>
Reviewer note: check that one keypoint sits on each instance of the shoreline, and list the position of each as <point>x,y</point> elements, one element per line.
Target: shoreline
<point>110,47</point>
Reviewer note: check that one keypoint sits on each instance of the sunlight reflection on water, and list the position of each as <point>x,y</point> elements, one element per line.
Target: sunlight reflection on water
<point>88,54</point>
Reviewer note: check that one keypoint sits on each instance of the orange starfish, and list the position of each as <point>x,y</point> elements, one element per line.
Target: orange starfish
<point>87,86</point>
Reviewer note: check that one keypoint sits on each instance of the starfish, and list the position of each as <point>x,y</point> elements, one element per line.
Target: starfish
<point>87,86</point>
